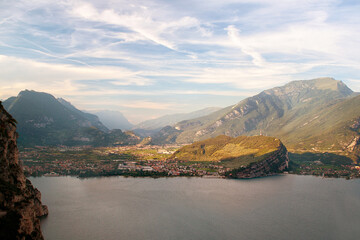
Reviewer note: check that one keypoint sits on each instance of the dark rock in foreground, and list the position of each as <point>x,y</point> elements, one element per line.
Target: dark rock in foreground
<point>20,202</point>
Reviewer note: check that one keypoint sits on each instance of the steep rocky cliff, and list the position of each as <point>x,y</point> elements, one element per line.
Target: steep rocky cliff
<point>276,162</point>
<point>20,202</point>
<point>247,157</point>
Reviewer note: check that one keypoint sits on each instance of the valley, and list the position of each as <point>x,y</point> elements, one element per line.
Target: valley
<point>200,120</point>
<point>318,115</point>
<point>152,161</point>
<point>316,120</point>
<point>135,161</point>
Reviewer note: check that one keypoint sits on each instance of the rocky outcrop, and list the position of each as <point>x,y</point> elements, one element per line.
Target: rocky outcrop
<point>20,202</point>
<point>243,156</point>
<point>276,163</point>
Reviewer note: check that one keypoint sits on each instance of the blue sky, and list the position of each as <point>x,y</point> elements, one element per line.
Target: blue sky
<point>156,57</point>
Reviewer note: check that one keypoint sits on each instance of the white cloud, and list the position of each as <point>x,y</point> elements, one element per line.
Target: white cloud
<point>239,93</point>
<point>234,36</point>
<point>246,78</point>
<point>18,73</point>
<point>148,105</point>
<point>141,21</point>
<point>249,45</point>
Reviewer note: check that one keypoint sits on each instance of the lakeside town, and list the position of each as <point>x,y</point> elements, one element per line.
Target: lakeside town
<point>152,161</point>
<point>146,161</point>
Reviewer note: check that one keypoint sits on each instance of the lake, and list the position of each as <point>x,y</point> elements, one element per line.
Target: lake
<point>278,207</point>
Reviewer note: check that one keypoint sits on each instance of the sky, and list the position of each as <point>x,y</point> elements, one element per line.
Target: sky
<point>155,57</point>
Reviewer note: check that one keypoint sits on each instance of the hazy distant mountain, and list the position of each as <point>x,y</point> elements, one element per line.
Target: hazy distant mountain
<point>45,120</point>
<point>158,123</point>
<point>113,120</point>
<point>167,134</point>
<point>319,114</point>
<point>94,120</point>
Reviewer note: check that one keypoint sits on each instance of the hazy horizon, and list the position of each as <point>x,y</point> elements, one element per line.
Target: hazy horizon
<point>143,118</point>
<point>147,59</point>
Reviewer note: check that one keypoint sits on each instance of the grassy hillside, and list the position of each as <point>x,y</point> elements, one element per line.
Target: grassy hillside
<point>233,152</point>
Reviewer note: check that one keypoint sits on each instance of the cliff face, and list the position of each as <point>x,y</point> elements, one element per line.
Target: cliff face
<point>247,157</point>
<point>275,163</point>
<point>20,202</point>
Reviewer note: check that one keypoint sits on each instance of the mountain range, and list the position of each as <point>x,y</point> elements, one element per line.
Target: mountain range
<point>113,119</point>
<point>171,119</point>
<point>318,115</point>
<point>322,114</point>
<point>44,120</point>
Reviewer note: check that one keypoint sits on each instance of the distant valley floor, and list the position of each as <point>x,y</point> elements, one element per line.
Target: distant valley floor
<point>153,161</point>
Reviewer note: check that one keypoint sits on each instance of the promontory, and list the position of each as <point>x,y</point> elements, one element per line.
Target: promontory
<point>245,157</point>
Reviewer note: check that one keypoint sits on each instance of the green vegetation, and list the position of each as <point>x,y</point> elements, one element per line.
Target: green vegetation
<point>232,152</point>
<point>46,121</point>
<point>147,161</point>
<point>322,164</point>
<point>90,155</point>
<point>320,115</point>
<point>245,160</point>
<point>97,162</point>
<point>88,160</point>
<point>321,158</point>
<point>147,154</point>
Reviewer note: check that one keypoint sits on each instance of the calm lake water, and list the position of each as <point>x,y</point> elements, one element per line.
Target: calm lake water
<point>280,207</point>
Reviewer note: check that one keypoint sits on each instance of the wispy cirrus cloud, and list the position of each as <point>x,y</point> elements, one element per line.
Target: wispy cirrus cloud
<point>58,78</point>
<point>189,53</point>
<point>140,21</point>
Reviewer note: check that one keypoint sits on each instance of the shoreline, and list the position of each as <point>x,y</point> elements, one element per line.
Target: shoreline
<point>204,176</point>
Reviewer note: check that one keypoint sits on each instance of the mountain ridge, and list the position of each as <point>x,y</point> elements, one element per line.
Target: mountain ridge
<point>275,112</point>
<point>113,119</point>
<point>46,121</point>
<point>94,120</point>
<point>171,119</point>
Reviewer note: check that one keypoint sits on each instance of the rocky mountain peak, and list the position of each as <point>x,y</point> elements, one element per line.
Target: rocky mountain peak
<point>31,93</point>
<point>308,87</point>
<point>45,120</point>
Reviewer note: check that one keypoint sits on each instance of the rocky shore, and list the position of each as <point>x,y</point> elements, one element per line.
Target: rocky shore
<point>276,163</point>
<point>241,157</point>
